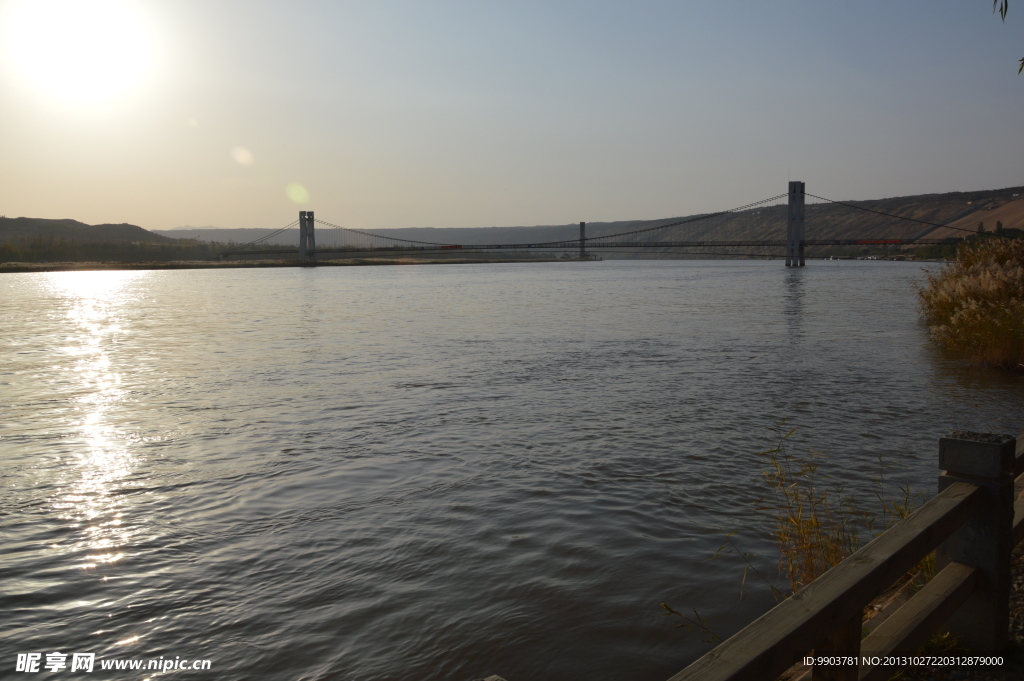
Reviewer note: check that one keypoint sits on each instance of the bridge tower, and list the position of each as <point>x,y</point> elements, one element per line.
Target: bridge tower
<point>795,226</point>
<point>583,241</point>
<point>307,237</point>
<point>311,236</point>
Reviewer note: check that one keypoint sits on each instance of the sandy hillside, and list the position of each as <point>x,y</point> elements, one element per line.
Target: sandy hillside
<point>1010,211</point>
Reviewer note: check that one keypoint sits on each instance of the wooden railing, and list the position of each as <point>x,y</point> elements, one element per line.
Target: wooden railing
<point>972,525</point>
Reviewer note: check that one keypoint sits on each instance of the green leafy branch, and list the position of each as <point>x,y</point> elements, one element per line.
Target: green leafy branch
<point>1001,6</point>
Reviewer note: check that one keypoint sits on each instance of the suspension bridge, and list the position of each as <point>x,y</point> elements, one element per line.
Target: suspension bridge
<point>775,227</point>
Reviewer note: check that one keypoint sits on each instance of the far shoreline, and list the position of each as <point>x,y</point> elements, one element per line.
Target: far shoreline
<point>106,266</point>
<point>22,267</point>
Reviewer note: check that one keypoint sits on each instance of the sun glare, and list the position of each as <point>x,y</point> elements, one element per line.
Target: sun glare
<point>80,50</point>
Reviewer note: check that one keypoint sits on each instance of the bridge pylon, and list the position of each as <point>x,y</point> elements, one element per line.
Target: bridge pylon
<point>307,236</point>
<point>583,241</point>
<point>795,226</point>
<point>311,238</point>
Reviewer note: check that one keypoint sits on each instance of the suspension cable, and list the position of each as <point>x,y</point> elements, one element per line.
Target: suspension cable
<point>380,236</point>
<point>562,243</point>
<point>272,234</point>
<point>899,217</point>
<point>691,220</point>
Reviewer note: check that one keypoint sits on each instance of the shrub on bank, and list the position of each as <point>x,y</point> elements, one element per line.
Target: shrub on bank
<point>975,305</point>
<point>57,249</point>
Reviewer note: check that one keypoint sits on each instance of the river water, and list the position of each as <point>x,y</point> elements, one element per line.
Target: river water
<point>438,472</point>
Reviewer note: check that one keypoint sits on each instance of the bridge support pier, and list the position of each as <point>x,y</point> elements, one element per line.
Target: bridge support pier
<point>795,226</point>
<point>583,241</point>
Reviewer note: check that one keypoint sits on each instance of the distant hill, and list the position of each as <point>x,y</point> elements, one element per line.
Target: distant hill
<point>39,240</point>
<point>30,228</point>
<point>26,239</point>
<point>823,221</point>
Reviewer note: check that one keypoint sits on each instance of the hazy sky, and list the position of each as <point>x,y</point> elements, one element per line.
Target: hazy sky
<point>396,114</point>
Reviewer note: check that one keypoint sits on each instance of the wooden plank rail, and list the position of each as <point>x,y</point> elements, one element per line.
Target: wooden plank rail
<point>911,626</point>
<point>973,524</point>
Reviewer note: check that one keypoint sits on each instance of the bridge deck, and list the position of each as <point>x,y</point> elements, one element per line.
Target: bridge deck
<point>598,244</point>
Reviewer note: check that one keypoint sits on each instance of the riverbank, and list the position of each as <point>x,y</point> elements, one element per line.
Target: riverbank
<point>242,264</point>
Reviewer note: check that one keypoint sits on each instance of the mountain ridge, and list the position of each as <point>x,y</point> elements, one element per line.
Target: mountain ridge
<point>961,210</point>
<point>67,228</point>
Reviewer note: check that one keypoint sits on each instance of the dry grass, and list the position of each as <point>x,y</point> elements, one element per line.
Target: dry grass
<point>975,306</point>
<point>815,528</point>
<point>817,524</point>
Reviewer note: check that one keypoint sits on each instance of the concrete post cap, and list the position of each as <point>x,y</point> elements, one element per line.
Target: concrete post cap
<point>982,455</point>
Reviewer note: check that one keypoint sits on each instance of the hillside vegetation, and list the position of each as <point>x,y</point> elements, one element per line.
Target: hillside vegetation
<point>39,240</point>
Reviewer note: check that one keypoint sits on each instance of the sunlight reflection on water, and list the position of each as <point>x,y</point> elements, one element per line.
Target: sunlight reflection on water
<point>95,303</point>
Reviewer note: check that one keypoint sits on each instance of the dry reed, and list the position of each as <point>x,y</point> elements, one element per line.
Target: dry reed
<point>975,306</point>
<point>817,524</point>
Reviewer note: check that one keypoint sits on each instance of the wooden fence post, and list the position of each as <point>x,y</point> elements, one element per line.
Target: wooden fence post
<point>986,540</point>
<point>845,642</point>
